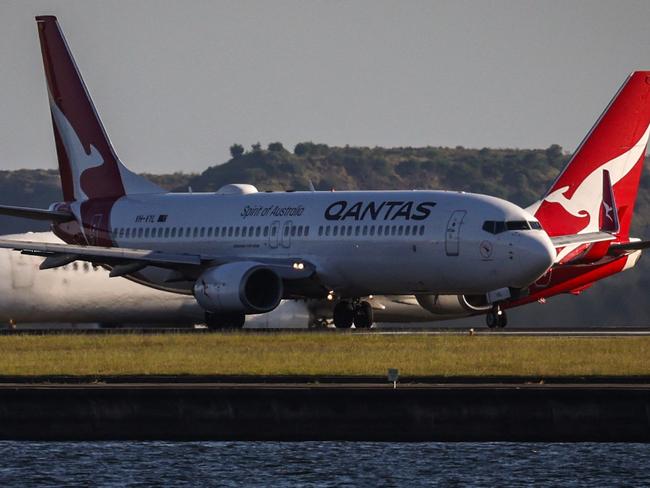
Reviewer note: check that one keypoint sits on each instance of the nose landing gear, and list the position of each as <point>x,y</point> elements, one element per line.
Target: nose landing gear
<point>496,318</point>
<point>348,313</point>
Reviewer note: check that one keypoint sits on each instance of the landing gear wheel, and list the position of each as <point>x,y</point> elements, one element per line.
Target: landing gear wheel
<point>224,321</point>
<point>491,319</point>
<point>343,315</point>
<point>363,316</point>
<point>496,318</point>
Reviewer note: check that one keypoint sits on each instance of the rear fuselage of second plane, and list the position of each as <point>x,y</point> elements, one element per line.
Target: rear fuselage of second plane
<point>361,243</point>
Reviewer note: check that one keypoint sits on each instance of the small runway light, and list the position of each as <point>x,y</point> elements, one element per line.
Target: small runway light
<point>330,296</point>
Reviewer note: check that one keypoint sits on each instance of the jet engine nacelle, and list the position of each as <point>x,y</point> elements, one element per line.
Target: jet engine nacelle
<point>453,304</point>
<point>245,286</point>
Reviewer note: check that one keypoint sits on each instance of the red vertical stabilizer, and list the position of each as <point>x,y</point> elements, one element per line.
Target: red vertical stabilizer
<point>88,164</point>
<point>617,145</point>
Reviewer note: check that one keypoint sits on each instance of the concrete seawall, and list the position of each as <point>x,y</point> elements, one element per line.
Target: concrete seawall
<point>299,411</point>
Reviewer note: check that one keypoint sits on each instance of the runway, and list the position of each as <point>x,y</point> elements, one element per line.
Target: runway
<point>477,331</point>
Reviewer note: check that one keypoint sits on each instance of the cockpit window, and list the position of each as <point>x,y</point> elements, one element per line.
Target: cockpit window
<point>499,226</point>
<point>535,225</point>
<point>517,225</point>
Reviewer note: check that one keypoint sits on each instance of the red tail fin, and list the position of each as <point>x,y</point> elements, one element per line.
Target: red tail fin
<point>88,165</point>
<point>616,144</point>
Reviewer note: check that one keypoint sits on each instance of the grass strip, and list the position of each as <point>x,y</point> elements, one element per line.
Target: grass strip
<point>323,354</point>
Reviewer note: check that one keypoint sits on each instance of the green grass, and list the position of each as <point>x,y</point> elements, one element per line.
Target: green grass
<point>322,354</point>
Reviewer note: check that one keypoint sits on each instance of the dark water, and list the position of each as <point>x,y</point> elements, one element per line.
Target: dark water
<point>331,464</point>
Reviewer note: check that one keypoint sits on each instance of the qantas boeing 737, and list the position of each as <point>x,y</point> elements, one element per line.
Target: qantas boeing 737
<point>239,251</point>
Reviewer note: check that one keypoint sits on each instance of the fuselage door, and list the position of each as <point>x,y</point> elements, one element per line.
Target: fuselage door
<point>452,235</point>
<point>286,234</point>
<point>274,232</point>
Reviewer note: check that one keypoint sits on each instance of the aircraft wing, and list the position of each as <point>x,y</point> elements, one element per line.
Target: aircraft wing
<point>126,260</point>
<point>36,213</point>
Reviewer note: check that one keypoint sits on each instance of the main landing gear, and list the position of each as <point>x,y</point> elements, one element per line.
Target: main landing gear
<point>496,318</point>
<point>224,321</point>
<point>357,313</point>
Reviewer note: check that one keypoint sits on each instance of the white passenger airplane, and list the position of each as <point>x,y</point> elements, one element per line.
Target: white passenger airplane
<point>79,293</point>
<point>239,251</point>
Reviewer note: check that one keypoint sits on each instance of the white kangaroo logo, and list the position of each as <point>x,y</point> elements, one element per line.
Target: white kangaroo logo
<point>587,198</point>
<point>80,161</point>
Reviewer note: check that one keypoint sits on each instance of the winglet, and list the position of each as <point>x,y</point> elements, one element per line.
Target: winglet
<point>608,211</point>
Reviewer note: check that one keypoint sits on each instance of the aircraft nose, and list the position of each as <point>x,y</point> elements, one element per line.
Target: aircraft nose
<point>536,256</point>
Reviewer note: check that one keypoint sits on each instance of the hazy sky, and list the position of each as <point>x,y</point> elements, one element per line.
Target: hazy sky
<point>177,82</point>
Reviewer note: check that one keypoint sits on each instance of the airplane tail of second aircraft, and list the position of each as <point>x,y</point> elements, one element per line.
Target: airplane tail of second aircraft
<point>612,154</point>
<point>88,165</point>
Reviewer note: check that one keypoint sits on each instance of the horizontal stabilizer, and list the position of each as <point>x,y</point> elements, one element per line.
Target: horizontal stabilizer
<point>587,238</point>
<point>36,213</point>
<point>630,246</point>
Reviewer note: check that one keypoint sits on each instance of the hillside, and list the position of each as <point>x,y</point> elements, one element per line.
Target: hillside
<point>517,175</point>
